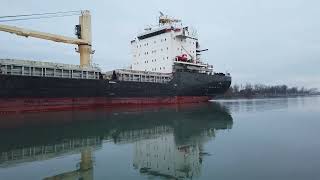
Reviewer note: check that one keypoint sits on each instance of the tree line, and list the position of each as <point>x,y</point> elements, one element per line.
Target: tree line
<point>260,90</point>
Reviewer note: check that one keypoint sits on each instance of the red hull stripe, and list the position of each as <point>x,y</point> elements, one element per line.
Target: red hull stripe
<point>14,105</point>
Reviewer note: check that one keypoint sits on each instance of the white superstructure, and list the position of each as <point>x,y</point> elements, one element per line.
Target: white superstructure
<point>158,48</point>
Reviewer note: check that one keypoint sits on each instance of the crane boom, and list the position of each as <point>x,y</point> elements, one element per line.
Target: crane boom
<point>42,35</point>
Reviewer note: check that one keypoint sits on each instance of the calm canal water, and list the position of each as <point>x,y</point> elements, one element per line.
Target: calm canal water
<point>234,139</point>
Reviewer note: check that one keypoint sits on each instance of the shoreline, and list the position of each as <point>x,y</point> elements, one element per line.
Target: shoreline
<point>240,97</point>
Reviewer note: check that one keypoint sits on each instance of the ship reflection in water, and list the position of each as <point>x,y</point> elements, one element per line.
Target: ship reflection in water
<point>166,141</point>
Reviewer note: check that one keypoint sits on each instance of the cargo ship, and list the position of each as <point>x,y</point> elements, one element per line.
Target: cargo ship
<point>166,68</point>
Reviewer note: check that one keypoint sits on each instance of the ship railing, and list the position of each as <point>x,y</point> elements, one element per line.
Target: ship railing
<point>139,76</point>
<point>193,67</point>
<point>195,63</point>
<point>47,69</point>
<point>46,64</point>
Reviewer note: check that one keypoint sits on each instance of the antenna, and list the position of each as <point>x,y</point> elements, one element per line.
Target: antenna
<point>164,19</point>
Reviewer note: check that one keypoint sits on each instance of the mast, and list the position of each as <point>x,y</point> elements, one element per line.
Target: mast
<point>85,34</point>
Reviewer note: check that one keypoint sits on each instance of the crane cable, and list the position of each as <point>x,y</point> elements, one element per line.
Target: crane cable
<point>40,16</point>
<point>45,17</point>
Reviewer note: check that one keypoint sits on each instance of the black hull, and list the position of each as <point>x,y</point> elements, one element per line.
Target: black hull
<point>182,84</point>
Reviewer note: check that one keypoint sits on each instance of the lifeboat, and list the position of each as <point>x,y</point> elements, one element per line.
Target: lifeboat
<point>183,58</point>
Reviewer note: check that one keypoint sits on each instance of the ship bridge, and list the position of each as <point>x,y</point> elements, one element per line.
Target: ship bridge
<point>159,48</point>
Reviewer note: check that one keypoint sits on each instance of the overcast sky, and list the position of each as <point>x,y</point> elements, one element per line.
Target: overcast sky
<point>257,41</point>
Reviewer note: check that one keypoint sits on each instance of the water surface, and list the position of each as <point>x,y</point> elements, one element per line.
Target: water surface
<point>231,139</point>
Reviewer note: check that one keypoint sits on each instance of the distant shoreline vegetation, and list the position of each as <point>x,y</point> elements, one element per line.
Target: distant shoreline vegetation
<point>265,91</point>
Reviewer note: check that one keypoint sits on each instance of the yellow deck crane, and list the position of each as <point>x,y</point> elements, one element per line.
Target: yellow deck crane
<point>83,31</point>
